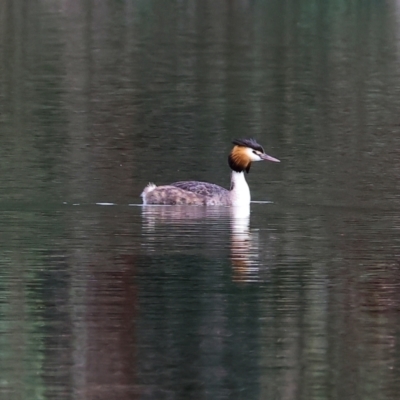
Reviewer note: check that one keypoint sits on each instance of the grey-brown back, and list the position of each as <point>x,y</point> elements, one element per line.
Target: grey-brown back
<point>201,188</point>
<point>171,195</point>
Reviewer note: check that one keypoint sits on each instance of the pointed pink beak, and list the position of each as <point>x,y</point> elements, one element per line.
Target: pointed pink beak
<point>268,158</point>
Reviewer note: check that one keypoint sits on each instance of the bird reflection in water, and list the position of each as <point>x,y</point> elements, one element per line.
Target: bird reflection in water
<point>244,246</point>
<point>208,229</point>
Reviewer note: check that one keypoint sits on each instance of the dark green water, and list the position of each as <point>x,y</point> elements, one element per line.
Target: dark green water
<point>300,301</point>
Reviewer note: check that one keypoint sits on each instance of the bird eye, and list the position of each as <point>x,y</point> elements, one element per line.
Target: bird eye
<point>254,152</point>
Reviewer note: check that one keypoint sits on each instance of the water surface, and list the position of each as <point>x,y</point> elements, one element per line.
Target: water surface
<point>102,298</point>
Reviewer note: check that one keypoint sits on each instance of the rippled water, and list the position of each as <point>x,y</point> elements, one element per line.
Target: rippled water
<point>294,298</point>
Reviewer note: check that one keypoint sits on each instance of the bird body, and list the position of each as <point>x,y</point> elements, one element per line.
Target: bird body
<point>197,193</point>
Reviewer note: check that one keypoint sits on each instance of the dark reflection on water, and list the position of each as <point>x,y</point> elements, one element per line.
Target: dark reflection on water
<point>158,303</point>
<point>298,300</point>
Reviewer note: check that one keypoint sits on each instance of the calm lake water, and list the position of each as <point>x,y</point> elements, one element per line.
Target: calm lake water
<point>101,298</point>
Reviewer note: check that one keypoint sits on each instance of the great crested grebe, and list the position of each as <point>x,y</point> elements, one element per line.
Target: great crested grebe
<point>197,193</point>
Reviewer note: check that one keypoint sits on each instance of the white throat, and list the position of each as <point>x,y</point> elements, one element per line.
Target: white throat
<point>240,192</point>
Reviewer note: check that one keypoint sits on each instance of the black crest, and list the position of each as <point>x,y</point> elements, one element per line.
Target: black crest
<point>251,143</point>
